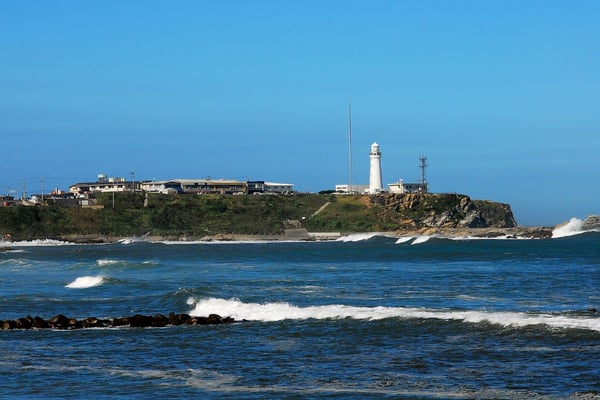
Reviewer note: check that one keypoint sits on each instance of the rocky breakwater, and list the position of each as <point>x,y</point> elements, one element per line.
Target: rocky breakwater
<point>135,321</point>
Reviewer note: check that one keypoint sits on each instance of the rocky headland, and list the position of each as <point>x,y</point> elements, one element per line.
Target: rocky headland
<point>293,217</point>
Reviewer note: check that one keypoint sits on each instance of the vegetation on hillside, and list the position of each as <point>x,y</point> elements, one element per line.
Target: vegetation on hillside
<point>128,214</point>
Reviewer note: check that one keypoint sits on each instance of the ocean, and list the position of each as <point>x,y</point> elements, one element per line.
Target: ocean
<point>368,316</point>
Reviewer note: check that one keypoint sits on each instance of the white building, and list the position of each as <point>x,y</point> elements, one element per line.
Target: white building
<point>400,187</point>
<point>274,187</point>
<point>345,188</point>
<point>103,185</point>
<point>164,187</point>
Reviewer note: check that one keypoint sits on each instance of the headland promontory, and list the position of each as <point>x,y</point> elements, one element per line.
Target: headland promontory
<point>267,217</point>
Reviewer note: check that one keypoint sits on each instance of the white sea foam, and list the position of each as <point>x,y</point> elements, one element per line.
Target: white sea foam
<point>573,227</point>
<point>359,237</point>
<point>84,282</point>
<point>404,239</point>
<point>35,243</point>
<point>270,312</point>
<point>225,242</point>
<point>130,240</point>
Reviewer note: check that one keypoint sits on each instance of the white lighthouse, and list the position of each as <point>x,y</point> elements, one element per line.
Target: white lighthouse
<point>375,185</point>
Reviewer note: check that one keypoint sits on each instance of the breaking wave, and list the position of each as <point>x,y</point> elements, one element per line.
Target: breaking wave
<point>271,312</point>
<point>573,227</point>
<point>359,237</point>
<point>421,239</point>
<point>84,282</point>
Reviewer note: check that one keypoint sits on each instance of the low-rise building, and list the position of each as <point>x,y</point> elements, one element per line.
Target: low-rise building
<point>400,187</point>
<point>345,188</point>
<point>165,187</point>
<point>104,185</point>
<point>221,186</point>
<point>193,186</point>
<point>273,187</point>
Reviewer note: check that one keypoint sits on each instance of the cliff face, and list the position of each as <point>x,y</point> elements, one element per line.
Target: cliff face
<point>443,210</point>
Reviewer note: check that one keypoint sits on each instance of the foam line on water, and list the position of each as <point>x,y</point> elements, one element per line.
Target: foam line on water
<point>35,243</point>
<point>270,312</point>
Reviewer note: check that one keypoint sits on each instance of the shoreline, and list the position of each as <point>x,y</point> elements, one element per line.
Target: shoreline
<point>539,232</point>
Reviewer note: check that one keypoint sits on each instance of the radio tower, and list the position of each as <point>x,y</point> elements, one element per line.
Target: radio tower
<point>423,160</point>
<point>350,189</point>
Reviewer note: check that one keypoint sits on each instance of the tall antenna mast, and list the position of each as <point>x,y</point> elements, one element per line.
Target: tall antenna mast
<point>350,189</point>
<point>423,160</point>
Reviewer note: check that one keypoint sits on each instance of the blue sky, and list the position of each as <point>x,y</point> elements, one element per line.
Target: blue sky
<point>502,96</point>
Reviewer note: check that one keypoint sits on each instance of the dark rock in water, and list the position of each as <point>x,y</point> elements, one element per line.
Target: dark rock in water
<point>75,323</point>
<point>140,321</point>
<point>40,323</point>
<point>214,319</point>
<point>136,321</point>
<point>9,324</point>
<point>120,322</point>
<point>179,319</point>
<point>59,322</point>
<point>25,323</point>
<point>160,320</point>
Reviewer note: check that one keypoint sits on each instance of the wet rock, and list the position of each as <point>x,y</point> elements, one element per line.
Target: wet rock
<point>140,321</point>
<point>40,323</point>
<point>9,324</point>
<point>136,321</point>
<point>25,322</point>
<point>59,322</point>
<point>178,319</point>
<point>159,321</point>
<point>117,322</point>
<point>214,319</point>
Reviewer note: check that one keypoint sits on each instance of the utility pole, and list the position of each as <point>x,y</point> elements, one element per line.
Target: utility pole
<point>42,187</point>
<point>132,173</point>
<point>24,195</point>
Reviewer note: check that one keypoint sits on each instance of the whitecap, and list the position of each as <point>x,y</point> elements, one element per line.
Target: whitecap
<point>270,312</point>
<point>104,262</point>
<point>404,239</point>
<point>84,282</point>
